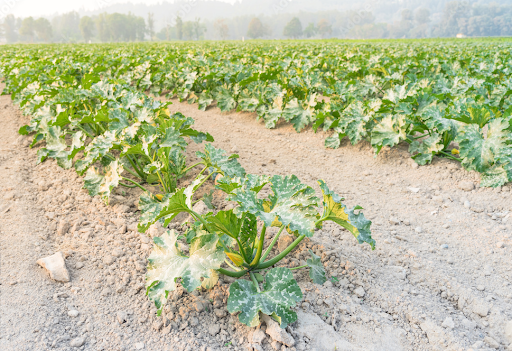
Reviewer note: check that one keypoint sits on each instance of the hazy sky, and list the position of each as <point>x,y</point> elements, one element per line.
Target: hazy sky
<point>25,8</point>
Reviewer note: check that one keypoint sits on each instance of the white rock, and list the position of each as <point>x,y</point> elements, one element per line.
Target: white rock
<point>321,335</point>
<point>55,266</point>
<point>122,317</point>
<point>418,230</point>
<point>508,331</point>
<point>491,342</point>
<point>200,208</point>
<point>466,185</point>
<point>448,323</point>
<point>276,332</point>
<point>467,204</point>
<point>414,190</point>
<point>257,336</point>
<point>63,227</point>
<point>139,345</point>
<point>73,313</point>
<point>77,342</point>
<point>359,291</point>
<point>394,221</point>
<point>480,308</point>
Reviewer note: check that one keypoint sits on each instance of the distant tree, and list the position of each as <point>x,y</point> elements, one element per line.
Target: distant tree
<point>151,26</point>
<point>27,28</point>
<point>221,28</point>
<point>293,29</point>
<point>256,29</point>
<point>310,30</point>
<point>179,28</point>
<point>86,28</point>
<point>198,29</point>
<point>10,29</point>
<point>407,15</point>
<point>324,28</point>
<point>43,29</point>
<point>422,15</point>
<point>102,27</point>
<point>66,27</point>
<point>188,30</point>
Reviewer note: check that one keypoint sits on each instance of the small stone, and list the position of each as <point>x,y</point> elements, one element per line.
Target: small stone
<point>466,185</point>
<point>480,288</point>
<point>139,345</point>
<point>414,190</point>
<point>213,329</point>
<point>480,308</point>
<point>77,342</point>
<point>394,221</point>
<point>55,266</point>
<point>106,291</point>
<point>199,306</point>
<point>122,209</point>
<point>359,291</point>
<point>276,345</point>
<point>508,331</point>
<point>491,342</point>
<point>414,165</point>
<point>500,244</point>
<point>118,252</point>
<point>220,312</point>
<point>328,284</point>
<point>63,227</point>
<point>73,313</point>
<point>257,336</point>
<point>448,323</point>
<point>444,246</point>
<point>108,260</point>
<point>418,230</point>
<point>200,208</point>
<point>79,265</point>
<point>277,333</point>
<point>122,317</point>
<point>467,204</point>
<point>158,324</point>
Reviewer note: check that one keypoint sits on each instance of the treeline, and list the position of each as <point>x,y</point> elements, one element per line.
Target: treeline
<point>72,28</point>
<point>457,17</point>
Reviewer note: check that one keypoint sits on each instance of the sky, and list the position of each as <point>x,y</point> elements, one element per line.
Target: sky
<point>36,8</point>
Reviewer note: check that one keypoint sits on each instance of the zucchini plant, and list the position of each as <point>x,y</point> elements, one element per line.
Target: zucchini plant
<point>232,242</point>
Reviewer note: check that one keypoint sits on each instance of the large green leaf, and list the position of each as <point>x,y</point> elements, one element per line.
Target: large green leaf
<point>300,114</point>
<point>291,203</point>
<point>216,158</point>
<point>478,152</point>
<point>280,293</point>
<point>316,269</point>
<point>423,151</point>
<point>389,132</point>
<point>99,147</point>
<point>166,264</point>
<point>244,229</point>
<point>334,210</point>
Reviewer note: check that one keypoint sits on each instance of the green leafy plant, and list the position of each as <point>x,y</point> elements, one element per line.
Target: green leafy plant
<point>232,242</point>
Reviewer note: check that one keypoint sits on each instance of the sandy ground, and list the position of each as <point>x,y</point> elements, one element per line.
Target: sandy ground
<point>440,278</point>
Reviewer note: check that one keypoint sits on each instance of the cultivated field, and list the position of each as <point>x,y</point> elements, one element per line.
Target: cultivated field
<point>116,161</point>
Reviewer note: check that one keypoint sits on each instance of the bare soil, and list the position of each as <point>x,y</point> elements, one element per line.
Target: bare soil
<point>440,278</point>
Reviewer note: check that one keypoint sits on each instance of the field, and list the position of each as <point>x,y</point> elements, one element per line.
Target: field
<point>417,135</point>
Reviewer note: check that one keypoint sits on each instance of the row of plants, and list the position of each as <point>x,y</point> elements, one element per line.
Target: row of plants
<point>102,125</point>
<point>448,99</point>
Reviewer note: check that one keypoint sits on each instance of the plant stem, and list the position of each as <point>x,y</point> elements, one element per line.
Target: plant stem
<point>232,274</point>
<point>85,132</point>
<point>137,184</point>
<point>293,268</point>
<point>254,281</point>
<point>279,257</point>
<point>139,172</point>
<point>269,248</point>
<point>447,155</point>
<point>231,266</point>
<point>131,172</point>
<point>256,259</point>
<point>189,168</point>
<point>126,185</point>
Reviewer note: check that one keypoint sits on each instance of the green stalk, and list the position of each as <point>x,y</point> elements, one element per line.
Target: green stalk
<point>137,184</point>
<point>230,265</point>
<point>293,268</point>
<point>447,155</point>
<point>254,281</point>
<point>256,259</point>
<point>85,132</point>
<point>126,185</point>
<point>132,172</point>
<point>231,274</point>
<point>139,172</point>
<point>269,248</point>
<point>189,168</point>
<point>281,255</point>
